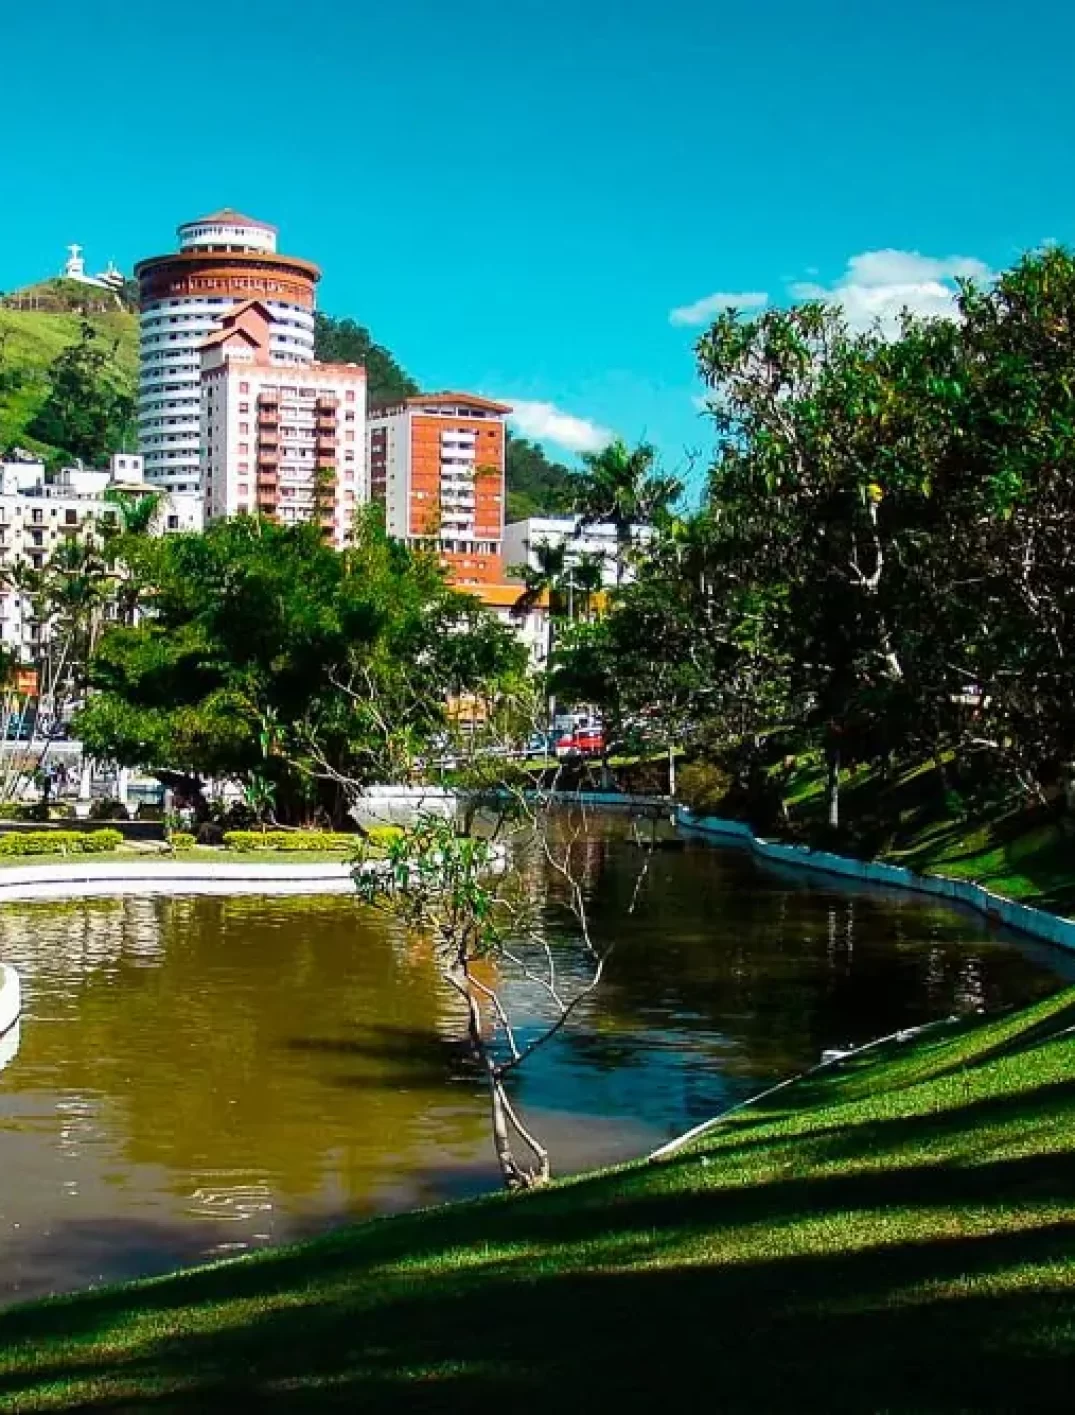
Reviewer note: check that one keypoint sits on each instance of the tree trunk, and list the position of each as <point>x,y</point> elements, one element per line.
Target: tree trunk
<point>832,785</point>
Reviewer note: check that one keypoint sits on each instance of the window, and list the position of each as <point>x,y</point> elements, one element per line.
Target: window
<point>173,523</point>
<point>70,518</point>
<point>244,388</point>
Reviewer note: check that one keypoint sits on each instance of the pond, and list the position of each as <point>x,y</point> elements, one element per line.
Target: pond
<point>198,1077</point>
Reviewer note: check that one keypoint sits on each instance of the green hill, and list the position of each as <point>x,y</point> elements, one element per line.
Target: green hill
<point>29,342</point>
<point>892,1234</point>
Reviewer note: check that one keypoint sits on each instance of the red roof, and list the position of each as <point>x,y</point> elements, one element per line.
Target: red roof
<point>232,217</point>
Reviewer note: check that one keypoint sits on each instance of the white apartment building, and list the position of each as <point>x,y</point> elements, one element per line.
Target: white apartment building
<point>37,516</point>
<point>522,537</point>
<point>280,439</point>
<point>224,260</point>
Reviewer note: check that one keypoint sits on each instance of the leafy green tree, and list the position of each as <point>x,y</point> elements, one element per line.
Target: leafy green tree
<point>269,654</point>
<point>85,412</point>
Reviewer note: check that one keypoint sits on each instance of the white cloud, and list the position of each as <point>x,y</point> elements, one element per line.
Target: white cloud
<point>545,422</point>
<point>707,308</point>
<point>878,285</point>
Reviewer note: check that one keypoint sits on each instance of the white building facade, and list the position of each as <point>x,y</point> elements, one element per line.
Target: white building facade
<point>521,539</point>
<point>223,260</point>
<point>38,516</point>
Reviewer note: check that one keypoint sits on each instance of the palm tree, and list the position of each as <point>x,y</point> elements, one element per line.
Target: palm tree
<point>547,577</point>
<point>622,488</point>
<point>586,578</point>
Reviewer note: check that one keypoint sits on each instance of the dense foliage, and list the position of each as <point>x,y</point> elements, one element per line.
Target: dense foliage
<point>86,412</point>
<point>344,341</point>
<point>536,486</point>
<point>60,842</point>
<point>881,564</point>
<point>270,658</point>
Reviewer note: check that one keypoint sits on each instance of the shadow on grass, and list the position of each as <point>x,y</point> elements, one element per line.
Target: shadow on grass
<point>804,1333</point>
<point>646,1309</point>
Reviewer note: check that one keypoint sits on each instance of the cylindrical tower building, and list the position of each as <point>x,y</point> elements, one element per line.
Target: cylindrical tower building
<point>223,259</point>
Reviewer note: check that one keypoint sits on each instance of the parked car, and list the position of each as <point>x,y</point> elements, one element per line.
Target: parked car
<point>586,742</point>
<point>541,744</point>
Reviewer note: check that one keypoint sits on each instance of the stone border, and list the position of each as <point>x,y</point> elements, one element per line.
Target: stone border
<point>1038,923</point>
<point>83,879</point>
<point>10,998</point>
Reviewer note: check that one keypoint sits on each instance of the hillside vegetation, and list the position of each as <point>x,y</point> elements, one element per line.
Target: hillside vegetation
<point>893,1234</point>
<point>31,340</point>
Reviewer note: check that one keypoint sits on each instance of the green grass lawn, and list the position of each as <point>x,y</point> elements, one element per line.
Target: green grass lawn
<point>1022,852</point>
<point>897,1236</point>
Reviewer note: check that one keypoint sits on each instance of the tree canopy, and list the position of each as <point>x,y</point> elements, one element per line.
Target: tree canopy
<point>268,654</point>
<point>881,563</point>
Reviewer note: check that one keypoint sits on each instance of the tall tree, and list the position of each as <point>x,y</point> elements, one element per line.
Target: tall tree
<point>621,486</point>
<point>85,412</point>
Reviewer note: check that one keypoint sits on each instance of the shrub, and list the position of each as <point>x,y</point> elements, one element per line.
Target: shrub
<point>60,842</point>
<point>209,833</point>
<point>108,809</point>
<point>24,811</point>
<point>703,787</point>
<point>287,840</point>
<point>62,811</point>
<point>182,840</point>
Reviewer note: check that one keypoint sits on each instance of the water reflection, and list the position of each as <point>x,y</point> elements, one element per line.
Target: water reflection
<point>199,1076</point>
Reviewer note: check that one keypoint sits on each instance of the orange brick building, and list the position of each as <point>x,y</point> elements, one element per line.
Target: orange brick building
<point>436,464</point>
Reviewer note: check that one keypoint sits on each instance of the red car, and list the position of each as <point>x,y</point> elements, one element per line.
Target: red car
<point>585,742</point>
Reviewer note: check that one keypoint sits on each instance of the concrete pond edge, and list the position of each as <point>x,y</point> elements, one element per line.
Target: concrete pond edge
<point>10,998</point>
<point>1037,923</point>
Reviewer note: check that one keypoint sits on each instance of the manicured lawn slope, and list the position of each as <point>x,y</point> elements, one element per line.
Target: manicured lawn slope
<point>898,1236</point>
<point>1024,853</point>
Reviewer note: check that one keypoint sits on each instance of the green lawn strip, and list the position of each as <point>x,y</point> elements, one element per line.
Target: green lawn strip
<point>894,1235</point>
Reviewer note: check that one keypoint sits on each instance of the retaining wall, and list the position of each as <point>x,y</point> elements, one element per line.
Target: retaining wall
<point>10,998</point>
<point>84,878</point>
<point>1035,922</point>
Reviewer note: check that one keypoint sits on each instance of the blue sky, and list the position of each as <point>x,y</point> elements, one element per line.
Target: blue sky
<point>542,201</point>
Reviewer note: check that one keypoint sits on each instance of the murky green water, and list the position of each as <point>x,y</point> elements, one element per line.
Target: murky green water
<point>201,1076</point>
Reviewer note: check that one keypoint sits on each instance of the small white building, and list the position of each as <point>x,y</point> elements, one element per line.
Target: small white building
<point>37,515</point>
<point>521,539</point>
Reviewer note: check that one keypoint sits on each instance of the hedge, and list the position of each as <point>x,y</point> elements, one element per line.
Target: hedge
<point>182,840</point>
<point>60,842</point>
<point>288,840</point>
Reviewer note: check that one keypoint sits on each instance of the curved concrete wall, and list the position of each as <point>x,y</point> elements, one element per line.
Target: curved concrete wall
<point>10,998</point>
<point>1035,922</point>
<point>164,877</point>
